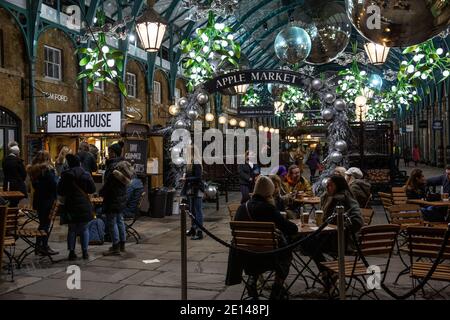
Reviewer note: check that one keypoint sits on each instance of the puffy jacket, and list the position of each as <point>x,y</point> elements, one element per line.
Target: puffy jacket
<point>73,183</point>
<point>361,191</point>
<point>44,183</point>
<point>15,174</point>
<point>114,191</point>
<point>134,193</point>
<point>87,160</point>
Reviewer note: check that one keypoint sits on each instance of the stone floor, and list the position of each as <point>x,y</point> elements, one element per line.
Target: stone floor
<point>128,277</point>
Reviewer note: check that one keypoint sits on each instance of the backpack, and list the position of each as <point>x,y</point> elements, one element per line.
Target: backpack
<point>96,229</point>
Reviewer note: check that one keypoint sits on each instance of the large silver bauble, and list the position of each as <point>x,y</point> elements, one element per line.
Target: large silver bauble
<point>183,103</point>
<point>325,182</point>
<point>202,98</point>
<point>176,150</point>
<point>329,98</point>
<point>211,192</point>
<point>292,45</point>
<point>341,146</point>
<point>340,105</point>
<point>179,161</point>
<point>328,26</point>
<point>336,157</point>
<point>317,84</point>
<point>327,114</point>
<point>402,23</point>
<point>181,124</point>
<point>193,114</point>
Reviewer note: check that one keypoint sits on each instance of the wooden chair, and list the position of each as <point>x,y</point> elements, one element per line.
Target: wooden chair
<point>259,237</point>
<point>386,200</point>
<point>377,241</point>
<point>399,195</point>
<point>367,205</point>
<point>129,222</point>
<point>11,229</point>
<point>424,245</point>
<point>232,208</point>
<point>367,215</point>
<point>30,236</point>
<point>405,215</point>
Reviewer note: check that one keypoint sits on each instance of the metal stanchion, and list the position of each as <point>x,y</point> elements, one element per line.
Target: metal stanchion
<point>341,250</point>
<point>183,208</point>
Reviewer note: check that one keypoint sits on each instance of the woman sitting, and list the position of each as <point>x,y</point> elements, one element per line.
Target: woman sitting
<point>416,189</point>
<point>282,202</point>
<point>262,207</point>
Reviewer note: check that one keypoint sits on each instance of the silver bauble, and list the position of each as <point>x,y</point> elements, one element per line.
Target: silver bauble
<point>400,23</point>
<point>211,192</point>
<point>317,84</point>
<point>292,45</point>
<point>325,182</point>
<point>336,157</point>
<point>193,114</point>
<point>327,114</point>
<point>340,105</point>
<point>181,124</point>
<point>202,98</point>
<point>328,27</point>
<point>183,103</point>
<point>176,150</point>
<point>179,161</point>
<point>329,98</point>
<point>341,146</point>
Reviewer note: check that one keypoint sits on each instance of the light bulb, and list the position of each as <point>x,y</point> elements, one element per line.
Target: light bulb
<point>111,63</point>
<point>261,128</point>
<point>446,73</point>
<point>266,129</point>
<point>132,37</point>
<point>272,130</point>
<point>233,122</point>
<point>439,51</point>
<point>277,131</point>
<point>209,117</point>
<point>174,109</point>
<point>242,124</point>
<point>222,119</point>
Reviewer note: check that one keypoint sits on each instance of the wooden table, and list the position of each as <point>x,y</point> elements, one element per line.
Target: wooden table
<point>305,229</point>
<point>425,203</point>
<point>11,194</point>
<point>312,201</point>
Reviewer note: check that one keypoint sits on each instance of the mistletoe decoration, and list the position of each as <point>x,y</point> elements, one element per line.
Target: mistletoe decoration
<point>251,98</point>
<point>101,63</point>
<point>209,52</point>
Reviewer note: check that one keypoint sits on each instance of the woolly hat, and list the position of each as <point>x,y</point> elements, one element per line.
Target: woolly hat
<point>355,172</point>
<point>72,160</point>
<point>116,148</point>
<point>264,187</point>
<point>14,150</point>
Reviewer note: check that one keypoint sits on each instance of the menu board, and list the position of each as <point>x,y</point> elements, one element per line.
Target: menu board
<point>136,154</point>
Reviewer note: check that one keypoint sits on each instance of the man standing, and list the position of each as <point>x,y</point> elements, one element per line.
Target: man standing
<point>443,180</point>
<point>87,159</point>
<point>15,174</point>
<point>247,175</point>
<point>397,155</point>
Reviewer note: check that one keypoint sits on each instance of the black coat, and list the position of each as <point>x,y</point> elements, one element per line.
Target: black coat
<point>87,160</point>
<point>114,192</point>
<point>15,174</point>
<point>73,183</point>
<point>44,186</point>
<point>193,183</point>
<point>247,174</point>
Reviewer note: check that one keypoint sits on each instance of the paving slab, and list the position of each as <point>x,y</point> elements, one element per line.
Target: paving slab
<point>140,277</point>
<point>19,281</point>
<point>133,292</point>
<point>100,274</point>
<point>195,280</point>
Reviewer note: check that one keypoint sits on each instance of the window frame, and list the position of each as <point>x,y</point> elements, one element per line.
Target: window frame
<point>130,75</point>
<point>2,48</point>
<point>159,96</point>
<point>46,63</point>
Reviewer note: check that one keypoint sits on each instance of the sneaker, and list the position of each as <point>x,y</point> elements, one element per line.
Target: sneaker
<point>112,251</point>
<point>72,256</point>
<point>197,236</point>
<point>50,251</point>
<point>190,232</point>
<point>85,255</point>
<point>122,246</point>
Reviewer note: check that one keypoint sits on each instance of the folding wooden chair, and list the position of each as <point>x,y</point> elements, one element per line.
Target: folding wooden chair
<point>424,244</point>
<point>30,236</point>
<point>399,195</point>
<point>386,200</point>
<point>232,208</point>
<point>129,222</point>
<point>367,215</point>
<point>258,237</point>
<point>373,241</point>
<point>12,226</point>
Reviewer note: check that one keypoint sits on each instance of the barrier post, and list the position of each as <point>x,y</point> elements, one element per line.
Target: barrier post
<point>183,208</point>
<point>341,250</point>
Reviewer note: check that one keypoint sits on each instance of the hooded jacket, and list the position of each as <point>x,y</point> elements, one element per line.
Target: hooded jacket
<point>361,191</point>
<point>75,185</point>
<point>44,181</point>
<point>114,190</point>
<point>15,174</point>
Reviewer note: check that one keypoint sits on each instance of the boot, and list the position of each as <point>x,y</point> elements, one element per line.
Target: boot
<point>278,292</point>
<point>113,251</point>
<point>72,255</point>
<point>198,235</point>
<point>190,232</point>
<point>50,251</point>
<point>85,255</point>
<point>252,288</point>
<point>122,246</point>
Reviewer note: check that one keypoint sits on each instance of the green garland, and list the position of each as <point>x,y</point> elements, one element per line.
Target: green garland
<point>251,98</point>
<point>101,63</point>
<point>211,49</point>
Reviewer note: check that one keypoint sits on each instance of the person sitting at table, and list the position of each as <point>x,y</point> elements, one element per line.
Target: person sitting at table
<point>283,202</point>
<point>340,171</point>
<point>262,207</point>
<point>442,180</point>
<point>337,194</point>
<point>74,186</point>
<point>416,188</point>
<point>296,183</point>
<point>359,187</point>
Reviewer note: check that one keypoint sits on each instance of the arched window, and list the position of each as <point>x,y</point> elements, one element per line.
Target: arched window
<point>10,126</point>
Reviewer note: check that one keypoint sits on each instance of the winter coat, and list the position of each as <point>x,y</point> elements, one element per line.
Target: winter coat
<point>419,193</point>
<point>61,167</point>
<point>313,161</point>
<point>416,154</point>
<point>75,185</point>
<point>440,181</point>
<point>114,190</point>
<point>15,174</point>
<point>301,185</point>
<point>44,182</point>
<point>361,191</point>
<point>247,174</point>
<point>193,183</point>
<point>87,160</point>
<point>134,193</point>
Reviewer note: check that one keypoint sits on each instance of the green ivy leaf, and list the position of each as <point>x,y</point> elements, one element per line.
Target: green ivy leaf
<point>84,61</point>
<point>119,66</point>
<point>90,87</point>
<point>122,87</point>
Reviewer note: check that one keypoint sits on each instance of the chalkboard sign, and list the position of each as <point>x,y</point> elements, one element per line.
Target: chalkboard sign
<point>136,154</point>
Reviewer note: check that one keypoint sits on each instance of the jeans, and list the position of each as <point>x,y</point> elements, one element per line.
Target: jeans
<point>76,229</point>
<point>195,206</point>
<point>44,224</point>
<point>116,227</point>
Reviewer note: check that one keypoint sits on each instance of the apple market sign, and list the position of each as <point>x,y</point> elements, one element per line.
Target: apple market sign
<point>233,79</point>
<point>88,122</point>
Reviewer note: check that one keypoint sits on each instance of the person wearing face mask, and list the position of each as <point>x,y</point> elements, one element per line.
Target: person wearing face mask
<point>262,207</point>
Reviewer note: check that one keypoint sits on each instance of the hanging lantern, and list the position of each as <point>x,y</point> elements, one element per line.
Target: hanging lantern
<point>150,28</point>
<point>241,89</point>
<point>209,117</point>
<point>222,119</point>
<point>377,53</point>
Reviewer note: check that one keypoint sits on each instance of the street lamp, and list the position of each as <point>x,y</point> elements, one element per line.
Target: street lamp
<point>150,28</point>
<point>377,53</point>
